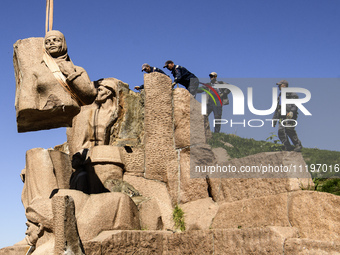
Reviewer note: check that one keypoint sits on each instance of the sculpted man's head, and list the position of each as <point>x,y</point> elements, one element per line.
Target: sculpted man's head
<point>55,43</point>
<point>33,232</point>
<point>106,89</point>
<point>39,219</point>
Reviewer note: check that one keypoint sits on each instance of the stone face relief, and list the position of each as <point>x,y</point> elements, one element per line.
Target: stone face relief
<point>77,82</point>
<point>49,88</point>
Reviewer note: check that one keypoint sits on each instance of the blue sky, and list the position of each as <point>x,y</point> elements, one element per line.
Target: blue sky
<point>237,39</point>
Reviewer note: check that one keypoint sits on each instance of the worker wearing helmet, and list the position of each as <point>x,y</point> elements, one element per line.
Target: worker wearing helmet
<point>287,131</point>
<point>216,108</point>
<point>183,76</point>
<point>149,69</point>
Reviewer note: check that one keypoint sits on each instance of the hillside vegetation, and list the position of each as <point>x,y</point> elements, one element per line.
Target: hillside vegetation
<point>324,165</point>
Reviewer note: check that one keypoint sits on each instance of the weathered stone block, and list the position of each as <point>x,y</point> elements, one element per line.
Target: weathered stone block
<point>221,155</point>
<point>250,213</point>
<point>250,241</point>
<point>198,215</point>
<point>130,125</point>
<point>191,242</point>
<point>104,164</point>
<point>181,104</point>
<point>126,242</point>
<point>65,226</point>
<point>154,190</point>
<point>125,215</point>
<point>133,160</point>
<point>62,168</point>
<point>150,215</point>
<point>106,211</point>
<point>15,250</point>
<point>188,119</point>
<point>315,214</point>
<point>160,154</point>
<point>232,188</point>
<point>296,246</point>
<point>231,241</point>
<point>41,176</point>
<point>192,189</point>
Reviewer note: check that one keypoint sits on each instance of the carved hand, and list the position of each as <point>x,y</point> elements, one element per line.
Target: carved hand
<point>66,68</point>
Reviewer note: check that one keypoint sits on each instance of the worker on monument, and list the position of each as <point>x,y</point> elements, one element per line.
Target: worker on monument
<point>148,69</point>
<point>183,76</point>
<point>287,122</point>
<point>214,105</point>
<point>73,78</point>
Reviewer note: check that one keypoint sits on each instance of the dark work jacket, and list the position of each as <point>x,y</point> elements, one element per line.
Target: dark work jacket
<point>289,108</point>
<point>154,69</point>
<point>182,75</point>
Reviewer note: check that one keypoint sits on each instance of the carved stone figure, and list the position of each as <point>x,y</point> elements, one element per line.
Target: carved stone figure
<point>112,130</point>
<point>57,60</point>
<point>92,130</point>
<point>46,181</point>
<point>45,172</point>
<point>70,216</point>
<point>39,233</point>
<point>93,125</point>
<point>50,88</point>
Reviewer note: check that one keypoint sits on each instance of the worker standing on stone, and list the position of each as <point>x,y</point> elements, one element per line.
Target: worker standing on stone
<point>183,76</point>
<point>216,108</point>
<point>288,129</point>
<point>149,69</point>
